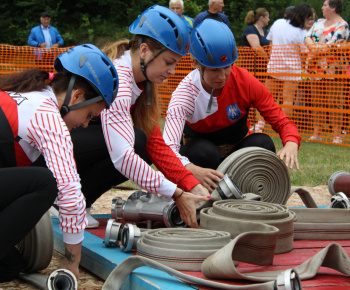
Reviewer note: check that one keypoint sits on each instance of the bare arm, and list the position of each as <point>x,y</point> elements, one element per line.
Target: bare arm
<point>72,259</point>
<point>254,42</point>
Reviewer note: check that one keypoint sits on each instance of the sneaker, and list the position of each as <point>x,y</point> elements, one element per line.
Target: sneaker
<point>337,140</point>
<point>92,223</point>
<point>314,138</point>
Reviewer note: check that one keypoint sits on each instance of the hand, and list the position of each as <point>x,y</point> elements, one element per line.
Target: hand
<point>199,190</point>
<point>290,152</point>
<point>72,259</point>
<point>43,45</point>
<point>56,45</point>
<point>187,205</point>
<point>209,178</point>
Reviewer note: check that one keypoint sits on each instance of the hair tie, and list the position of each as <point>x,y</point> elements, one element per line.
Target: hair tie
<point>51,75</point>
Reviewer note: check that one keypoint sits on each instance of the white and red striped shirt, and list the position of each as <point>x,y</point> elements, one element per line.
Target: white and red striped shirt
<point>189,103</point>
<point>43,131</point>
<point>119,135</point>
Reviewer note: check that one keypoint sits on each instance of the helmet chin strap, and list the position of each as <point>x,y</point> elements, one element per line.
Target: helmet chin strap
<point>65,109</point>
<point>211,94</point>
<point>143,69</point>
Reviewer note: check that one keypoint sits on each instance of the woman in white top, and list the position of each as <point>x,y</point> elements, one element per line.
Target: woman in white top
<point>37,111</point>
<point>287,39</point>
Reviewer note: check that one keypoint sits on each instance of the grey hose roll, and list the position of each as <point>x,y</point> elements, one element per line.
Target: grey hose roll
<point>181,248</point>
<point>37,247</point>
<point>260,171</point>
<point>237,216</point>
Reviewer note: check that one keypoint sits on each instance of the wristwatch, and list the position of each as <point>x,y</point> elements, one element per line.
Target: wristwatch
<point>38,44</point>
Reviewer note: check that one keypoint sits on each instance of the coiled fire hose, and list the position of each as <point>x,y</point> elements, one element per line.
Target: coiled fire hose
<point>261,172</point>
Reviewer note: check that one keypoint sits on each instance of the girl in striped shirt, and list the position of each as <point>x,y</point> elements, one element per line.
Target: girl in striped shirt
<point>132,137</point>
<point>37,111</point>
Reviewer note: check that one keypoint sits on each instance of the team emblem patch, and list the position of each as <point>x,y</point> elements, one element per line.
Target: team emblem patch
<point>223,58</point>
<point>233,112</point>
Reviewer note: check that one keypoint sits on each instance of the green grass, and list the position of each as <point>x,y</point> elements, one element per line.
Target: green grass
<point>317,162</point>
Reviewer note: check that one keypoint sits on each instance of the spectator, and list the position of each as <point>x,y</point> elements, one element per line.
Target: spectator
<point>214,12</point>
<point>44,35</point>
<point>288,12</point>
<point>329,30</point>
<point>37,111</point>
<point>254,36</point>
<point>207,115</point>
<point>130,139</point>
<point>287,59</point>
<point>178,7</point>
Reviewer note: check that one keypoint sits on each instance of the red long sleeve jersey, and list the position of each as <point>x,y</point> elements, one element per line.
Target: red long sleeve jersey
<point>36,119</point>
<point>120,139</point>
<point>189,103</point>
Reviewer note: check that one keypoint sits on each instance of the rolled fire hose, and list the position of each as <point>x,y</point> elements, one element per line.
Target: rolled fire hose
<point>259,171</point>
<point>181,248</point>
<point>61,279</point>
<point>237,216</point>
<point>37,247</point>
<point>339,182</point>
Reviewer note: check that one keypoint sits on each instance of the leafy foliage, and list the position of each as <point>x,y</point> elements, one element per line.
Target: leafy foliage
<point>98,21</point>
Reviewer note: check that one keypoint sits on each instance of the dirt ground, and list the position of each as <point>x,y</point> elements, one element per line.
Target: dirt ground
<point>89,281</point>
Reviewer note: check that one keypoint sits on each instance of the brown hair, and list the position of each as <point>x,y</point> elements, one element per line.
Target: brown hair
<point>337,4</point>
<point>37,80</point>
<point>144,117</point>
<point>253,16</point>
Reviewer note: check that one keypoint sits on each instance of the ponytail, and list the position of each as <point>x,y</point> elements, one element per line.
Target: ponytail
<point>24,82</point>
<point>39,80</point>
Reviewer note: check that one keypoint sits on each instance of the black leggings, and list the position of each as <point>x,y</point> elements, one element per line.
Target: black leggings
<point>26,195</point>
<point>206,154</point>
<point>94,164</point>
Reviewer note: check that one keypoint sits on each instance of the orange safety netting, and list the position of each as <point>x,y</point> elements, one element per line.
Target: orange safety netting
<point>310,84</point>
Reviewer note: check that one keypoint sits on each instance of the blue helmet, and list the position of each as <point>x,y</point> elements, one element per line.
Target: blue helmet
<point>163,25</point>
<point>213,44</point>
<point>92,64</point>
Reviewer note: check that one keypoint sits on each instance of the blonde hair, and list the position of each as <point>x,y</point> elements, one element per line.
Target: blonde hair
<point>253,16</point>
<point>144,117</point>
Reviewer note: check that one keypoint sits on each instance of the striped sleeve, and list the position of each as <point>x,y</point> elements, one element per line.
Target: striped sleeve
<point>49,134</point>
<point>181,106</point>
<point>120,138</point>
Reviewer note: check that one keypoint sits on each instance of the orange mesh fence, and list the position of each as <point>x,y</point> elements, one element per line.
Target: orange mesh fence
<point>19,58</point>
<point>311,85</point>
